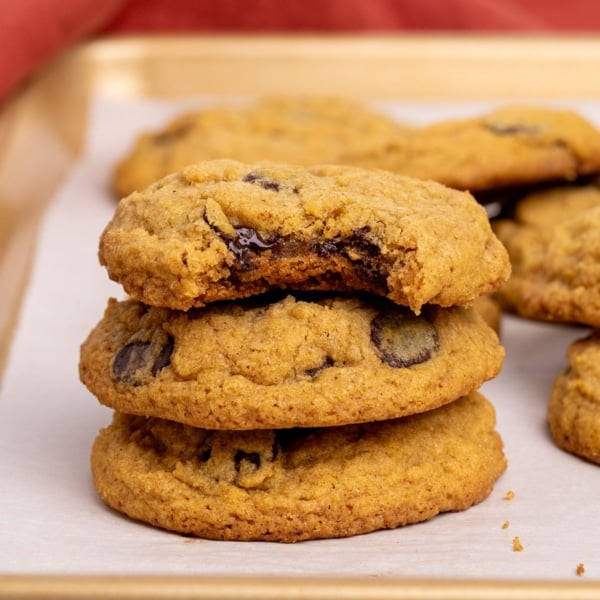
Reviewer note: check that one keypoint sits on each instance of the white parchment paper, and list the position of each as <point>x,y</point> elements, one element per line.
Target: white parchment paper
<point>51,521</point>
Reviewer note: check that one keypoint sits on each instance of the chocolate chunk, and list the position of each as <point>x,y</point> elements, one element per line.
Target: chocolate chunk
<point>253,458</point>
<point>204,454</point>
<point>135,362</point>
<point>403,339</point>
<point>328,362</point>
<point>265,183</point>
<point>512,129</point>
<point>246,242</point>
<point>164,356</point>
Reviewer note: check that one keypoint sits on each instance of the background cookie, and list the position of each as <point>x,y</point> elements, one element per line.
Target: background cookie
<point>300,130</point>
<point>555,268</point>
<point>511,146</point>
<point>222,229</point>
<point>574,407</point>
<point>288,363</point>
<point>550,206</point>
<point>301,484</point>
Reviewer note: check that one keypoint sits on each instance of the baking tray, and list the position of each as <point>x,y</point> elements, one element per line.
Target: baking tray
<point>43,131</point>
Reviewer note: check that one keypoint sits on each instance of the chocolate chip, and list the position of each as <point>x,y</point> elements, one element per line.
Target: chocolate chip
<point>328,362</point>
<point>246,242</point>
<point>205,454</point>
<point>253,458</point>
<point>265,183</point>
<point>402,338</point>
<point>164,356</point>
<point>325,249</point>
<point>137,360</point>
<point>512,129</point>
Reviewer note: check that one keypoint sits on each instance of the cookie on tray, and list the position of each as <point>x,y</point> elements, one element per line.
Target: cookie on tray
<point>509,147</point>
<point>300,361</point>
<point>300,130</point>
<point>574,407</point>
<point>221,230</point>
<point>555,265</point>
<point>299,484</point>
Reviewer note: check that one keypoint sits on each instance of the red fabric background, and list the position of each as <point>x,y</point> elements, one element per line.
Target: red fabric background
<point>35,31</point>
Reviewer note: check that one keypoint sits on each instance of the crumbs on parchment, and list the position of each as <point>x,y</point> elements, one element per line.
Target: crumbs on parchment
<point>580,570</point>
<point>506,525</point>
<point>509,495</point>
<point>517,546</point>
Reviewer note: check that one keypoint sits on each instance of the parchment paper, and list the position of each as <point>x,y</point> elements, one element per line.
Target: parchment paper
<point>51,521</point>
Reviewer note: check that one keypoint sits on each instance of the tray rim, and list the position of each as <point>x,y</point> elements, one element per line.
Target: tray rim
<point>138,66</point>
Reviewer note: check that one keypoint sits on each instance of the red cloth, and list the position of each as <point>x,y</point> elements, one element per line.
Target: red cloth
<point>35,31</point>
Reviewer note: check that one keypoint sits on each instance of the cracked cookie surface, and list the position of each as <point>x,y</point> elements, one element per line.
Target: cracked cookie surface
<point>222,229</point>
<point>312,360</point>
<point>574,407</point>
<point>293,485</point>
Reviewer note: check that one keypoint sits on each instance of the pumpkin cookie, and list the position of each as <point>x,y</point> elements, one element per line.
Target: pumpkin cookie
<point>555,256</point>
<point>574,407</point>
<point>222,229</point>
<point>512,146</point>
<point>296,361</point>
<point>299,130</point>
<point>299,484</point>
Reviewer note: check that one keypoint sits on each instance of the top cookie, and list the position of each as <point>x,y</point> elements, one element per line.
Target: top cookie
<point>224,230</point>
<point>509,147</point>
<point>297,130</point>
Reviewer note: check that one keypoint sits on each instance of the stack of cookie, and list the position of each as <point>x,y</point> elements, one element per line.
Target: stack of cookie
<point>553,239</point>
<point>298,358</point>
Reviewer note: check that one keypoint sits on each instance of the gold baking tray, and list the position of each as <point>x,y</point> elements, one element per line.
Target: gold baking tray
<point>42,128</point>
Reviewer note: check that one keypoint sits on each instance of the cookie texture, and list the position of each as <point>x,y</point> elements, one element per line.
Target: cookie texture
<point>556,259</point>
<point>298,130</point>
<point>222,229</point>
<point>299,484</point>
<point>290,362</point>
<point>574,407</point>
<point>511,146</point>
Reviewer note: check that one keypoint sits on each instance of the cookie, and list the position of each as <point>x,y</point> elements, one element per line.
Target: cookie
<point>290,362</point>
<point>574,406</point>
<point>512,146</point>
<point>299,130</point>
<point>555,266</point>
<point>491,311</point>
<point>552,205</point>
<point>293,485</point>
<point>222,229</point>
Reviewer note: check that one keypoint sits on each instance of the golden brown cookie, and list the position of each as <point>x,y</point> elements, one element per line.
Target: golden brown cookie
<point>509,147</point>
<point>301,361</point>
<point>299,130</point>
<point>555,265</point>
<point>221,230</point>
<point>292,485</point>
<point>574,407</point>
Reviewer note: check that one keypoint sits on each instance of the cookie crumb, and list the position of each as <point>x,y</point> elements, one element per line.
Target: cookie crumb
<point>580,570</point>
<point>505,525</point>
<point>509,495</point>
<point>517,546</point>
